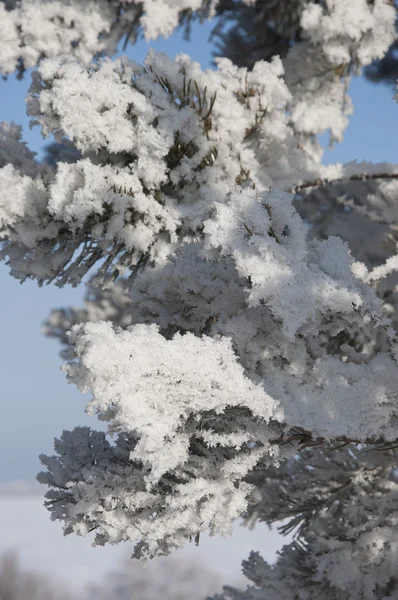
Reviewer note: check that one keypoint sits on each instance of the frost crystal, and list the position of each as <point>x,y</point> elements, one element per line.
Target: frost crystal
<point>225,367</point>
<point>238,337</point>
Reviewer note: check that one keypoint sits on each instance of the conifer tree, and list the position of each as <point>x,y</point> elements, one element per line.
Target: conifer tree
<point>239,333</point>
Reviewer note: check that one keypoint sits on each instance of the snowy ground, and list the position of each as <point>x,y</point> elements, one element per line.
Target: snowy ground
<point>25,527</point>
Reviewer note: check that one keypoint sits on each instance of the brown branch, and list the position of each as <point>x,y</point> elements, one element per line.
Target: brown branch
<point>360,177</point>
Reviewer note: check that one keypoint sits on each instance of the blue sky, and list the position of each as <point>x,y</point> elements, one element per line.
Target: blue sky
<point>36,401</point>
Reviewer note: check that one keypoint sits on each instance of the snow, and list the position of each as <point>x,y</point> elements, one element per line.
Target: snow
<point>25,526</point>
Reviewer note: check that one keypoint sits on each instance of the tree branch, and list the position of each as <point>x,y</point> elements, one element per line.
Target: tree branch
<point>359,177</point>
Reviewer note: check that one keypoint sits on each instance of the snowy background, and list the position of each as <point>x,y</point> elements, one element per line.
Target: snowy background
<point>25,527</point>
<point>37,403</point>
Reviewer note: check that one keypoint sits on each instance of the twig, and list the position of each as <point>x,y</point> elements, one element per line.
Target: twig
<point>359,177</point>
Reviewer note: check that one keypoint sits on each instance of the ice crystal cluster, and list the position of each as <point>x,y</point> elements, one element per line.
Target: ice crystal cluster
<point>31,29</point>
<point>239,333</point>
<point>342,502</point>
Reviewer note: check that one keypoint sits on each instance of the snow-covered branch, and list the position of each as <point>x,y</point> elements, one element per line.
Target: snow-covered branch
<point>232,349</point>
<point>155,146</point>
<point>228,325</point>
<point>341,505</point>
